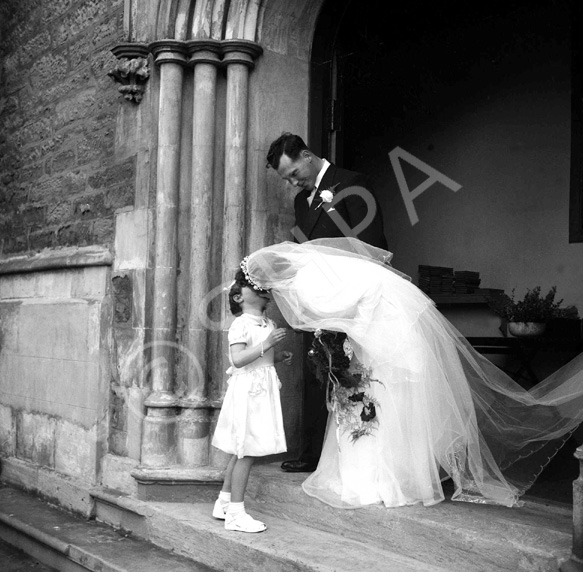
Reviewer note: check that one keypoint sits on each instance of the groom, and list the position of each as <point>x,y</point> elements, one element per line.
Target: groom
<point>331,203</point>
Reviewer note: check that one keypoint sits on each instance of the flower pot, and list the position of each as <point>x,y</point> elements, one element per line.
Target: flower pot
<point>526,329</point>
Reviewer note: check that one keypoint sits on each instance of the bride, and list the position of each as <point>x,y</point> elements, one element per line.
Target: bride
<point>441,410</point>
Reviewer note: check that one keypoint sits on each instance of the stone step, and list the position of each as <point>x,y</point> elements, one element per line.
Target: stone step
<point>188,529</point>
<point>15,560</point>
<point>450,536</point>
<point>458,536</point>
<point>69,543</point>
<point>304,535</point>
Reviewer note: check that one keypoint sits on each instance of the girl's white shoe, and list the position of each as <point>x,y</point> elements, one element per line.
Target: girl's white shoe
<point>220,509</point>
<point>243,522</point>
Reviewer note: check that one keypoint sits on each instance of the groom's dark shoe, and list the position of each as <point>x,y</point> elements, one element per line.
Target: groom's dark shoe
<point>299,466</point>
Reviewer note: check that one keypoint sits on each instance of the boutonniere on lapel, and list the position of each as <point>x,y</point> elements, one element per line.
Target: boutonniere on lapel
<point>327,196</point>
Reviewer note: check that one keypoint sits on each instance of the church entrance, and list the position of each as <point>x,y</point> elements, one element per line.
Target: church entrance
<point>438,81</point>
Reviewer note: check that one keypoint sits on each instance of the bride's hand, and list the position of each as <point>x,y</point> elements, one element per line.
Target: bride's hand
<point>287,357</point>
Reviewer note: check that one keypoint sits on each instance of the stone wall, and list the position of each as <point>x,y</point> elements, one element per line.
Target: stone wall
<point>60,182</point>
<point>63,182</point>
<point>55,372</point>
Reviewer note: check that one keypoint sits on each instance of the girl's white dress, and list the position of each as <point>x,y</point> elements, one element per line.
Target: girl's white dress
<point>443,410</point>
<point>250,422</point>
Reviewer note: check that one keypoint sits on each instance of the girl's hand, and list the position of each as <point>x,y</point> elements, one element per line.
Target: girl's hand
<point>276,336</point>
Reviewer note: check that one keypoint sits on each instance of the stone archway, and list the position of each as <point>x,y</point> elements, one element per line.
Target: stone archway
<point>205,55</point>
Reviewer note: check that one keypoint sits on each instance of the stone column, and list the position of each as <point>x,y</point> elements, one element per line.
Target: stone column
<point>575,562</point>
<point>194,426</point>
<point>159,443</point>
<point>239,56</point>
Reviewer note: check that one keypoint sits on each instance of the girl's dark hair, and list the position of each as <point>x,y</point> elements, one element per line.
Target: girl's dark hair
<point>235,290</point>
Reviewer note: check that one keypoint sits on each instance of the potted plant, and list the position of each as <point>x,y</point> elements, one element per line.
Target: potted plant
<point>529,316</point>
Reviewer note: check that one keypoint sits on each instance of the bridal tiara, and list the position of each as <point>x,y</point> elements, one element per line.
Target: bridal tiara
<point>248,277</point>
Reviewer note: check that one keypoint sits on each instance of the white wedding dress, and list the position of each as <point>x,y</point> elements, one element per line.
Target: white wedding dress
<point>444,411</point>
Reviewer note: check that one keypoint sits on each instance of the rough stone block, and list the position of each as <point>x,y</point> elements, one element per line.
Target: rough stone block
<point>61,162</point>
<point>75,450</point>
<point>80,19</point>
<point>109,32</point>
<point>90,283</point>
<point>34,48</point>
<point>136,414</point>
<point>6,288</point>
<point>113,175</point>
<point>70,493</point>
<point>53,145</point>
<point>60,213</point>
<point>116,474</point>
<point>7,432</point>
<point>75,107</point>
<point>123,298</point>
<point>117,408</point>
<point>33,131</point>
<point>90,206</point>
<point>68,324</point>
<point>49,69</point>
<point>39,240</point>
<point>33,383</point>
<point>63,90</point>
<point>130,356</point>
<point>193,437</point>
<point>117,442</point>
<point>81,51</point>
<point>121,195</point>
<point>30,172</point>
<point>140,285</point>
<point>49,189</point>
<point>55,284</point>
<point>95,145</point>
<point>132,231</point>
<point>102,61</point>
<point>33,215</point>
<point>11,64</point>
<point>75,234</point>
<point>8,332</point>
<point>102,231</point>
<point>57,8</point>
<point>35,438</point>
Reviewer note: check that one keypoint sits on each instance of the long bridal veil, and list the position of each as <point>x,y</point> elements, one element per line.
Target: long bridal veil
<point>443,409</point>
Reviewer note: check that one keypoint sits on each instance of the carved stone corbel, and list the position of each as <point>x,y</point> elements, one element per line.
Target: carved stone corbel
<point>132,70</point>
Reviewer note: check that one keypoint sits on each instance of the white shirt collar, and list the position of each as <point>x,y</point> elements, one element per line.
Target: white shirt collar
<point>321,173</point>
<point>258,320</point>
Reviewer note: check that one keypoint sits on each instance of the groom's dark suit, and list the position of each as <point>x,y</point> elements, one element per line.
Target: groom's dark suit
<point>314,221</point>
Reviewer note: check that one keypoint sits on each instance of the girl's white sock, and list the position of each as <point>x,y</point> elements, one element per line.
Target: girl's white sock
<point>224,497</point>
<point>236,508</point>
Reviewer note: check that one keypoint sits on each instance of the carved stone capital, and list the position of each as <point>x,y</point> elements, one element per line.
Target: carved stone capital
<point>169,51</point>
<point>132,70</point>
<point>130,51</point>
<point>240,52</point>
<point>204,52</point>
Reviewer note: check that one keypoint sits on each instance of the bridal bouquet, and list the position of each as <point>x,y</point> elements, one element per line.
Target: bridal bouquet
<point>346,382</point>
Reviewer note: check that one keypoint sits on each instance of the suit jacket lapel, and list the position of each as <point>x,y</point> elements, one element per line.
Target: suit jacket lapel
<point>315,210</point>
